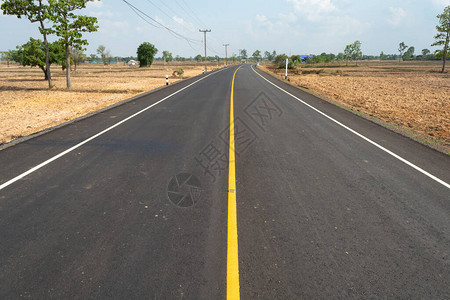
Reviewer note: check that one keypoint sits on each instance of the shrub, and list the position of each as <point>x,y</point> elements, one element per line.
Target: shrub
<point>178,72</point>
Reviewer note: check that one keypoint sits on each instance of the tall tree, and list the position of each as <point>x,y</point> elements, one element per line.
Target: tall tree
<point>34,11</point>
<point>356,51</point>
<point>101,50</point>
<point>257,55</point>
<point>78,57</point>
<point>198,57</point>
<point>409,54</point>
<point>243,54</point>
<point>145,54</point>
<point>401,48</point>
<point>167,56</point>
<point>443,36</point>
<point>347,53</point>
<point>6,55</point>
<point>70,26</point>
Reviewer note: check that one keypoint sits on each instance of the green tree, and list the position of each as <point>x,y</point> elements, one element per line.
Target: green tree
<point>35,11</point>
<point>6,55</point>
<point>347,53</point>
<point>77,56</point>
<point>401,48</point>
<point>198,57</point>
<point>425,52</point>
<point>257,55</point>
<point>443,36</point>
<point>268,55</point>
<point>356,51</point>
<point>70,26</point>
<point>409,54</point>
<point>280,61</point>
<point>145,54</point>
<point>33,54</point>
<point>167,56</point>
<point>340,56</point>
<point>383,56</point>
<point>101,50</point>
<point>243,54</point>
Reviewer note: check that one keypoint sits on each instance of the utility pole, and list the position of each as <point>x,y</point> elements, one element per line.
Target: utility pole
<point>226,57</point>
<point>205,31</point>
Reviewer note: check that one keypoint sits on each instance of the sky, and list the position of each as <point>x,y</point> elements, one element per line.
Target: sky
<point>286,26</point>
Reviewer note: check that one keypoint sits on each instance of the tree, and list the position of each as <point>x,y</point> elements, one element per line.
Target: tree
<point>34,11</point>
<point>243,54</point>
<point>401,48</point>
<point>340,56</point>
<point>267,55</point>
<point>280,61</point>
<point>425,52</point>
<point>167,56</point>
<point>383,56</point>
<point>33,54</point>
<point>6,55</point>
<point>101,50</point>
<point>70,27</point>
<point>145,54</point>
<point>257,55</point>
<point>443,36</point>
<point>409,53</point>
<point>356,51</point>
<point>78,56</point>
<point>347,53</point>
<point>198,58</point>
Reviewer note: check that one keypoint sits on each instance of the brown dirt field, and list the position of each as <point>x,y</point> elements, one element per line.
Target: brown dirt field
<point>412,95</point>
<point>28,106</point>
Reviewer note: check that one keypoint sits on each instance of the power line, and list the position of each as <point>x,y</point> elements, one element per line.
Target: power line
<point>176,34</point>
<point>190,29</point>
<point>193,14</point>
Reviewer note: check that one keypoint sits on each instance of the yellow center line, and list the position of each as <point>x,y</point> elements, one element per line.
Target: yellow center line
<point>232,242</point>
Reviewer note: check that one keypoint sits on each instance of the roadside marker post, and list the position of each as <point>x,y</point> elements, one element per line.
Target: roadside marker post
<point>167,79</point>
<point>287,62</point>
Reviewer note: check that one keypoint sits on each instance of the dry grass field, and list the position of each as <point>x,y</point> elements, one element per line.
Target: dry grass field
<point>412,96</point>
<point>28,106</point>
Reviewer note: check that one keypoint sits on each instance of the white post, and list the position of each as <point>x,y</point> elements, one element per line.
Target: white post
<point>167,79</point>
<point>287,62</point>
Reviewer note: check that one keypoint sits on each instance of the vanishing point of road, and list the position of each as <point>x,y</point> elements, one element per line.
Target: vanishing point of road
<point>155,199</point>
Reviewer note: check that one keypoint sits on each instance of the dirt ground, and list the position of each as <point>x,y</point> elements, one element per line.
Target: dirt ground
<point>28,106</point>
<point>412,95</point>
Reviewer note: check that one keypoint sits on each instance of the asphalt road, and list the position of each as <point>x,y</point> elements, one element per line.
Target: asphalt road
<point>140,210</point>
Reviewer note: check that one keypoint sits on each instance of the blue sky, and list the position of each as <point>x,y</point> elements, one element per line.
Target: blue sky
<point>287,26</point>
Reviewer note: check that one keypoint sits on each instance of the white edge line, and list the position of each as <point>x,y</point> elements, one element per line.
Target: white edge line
<point>362,136</point>
<point>11,181</point>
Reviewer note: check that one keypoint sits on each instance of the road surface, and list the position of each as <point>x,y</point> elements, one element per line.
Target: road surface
<point>133,203</point>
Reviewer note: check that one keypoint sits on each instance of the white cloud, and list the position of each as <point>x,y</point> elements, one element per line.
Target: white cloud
<point>261,18</point>
<point>441,3</point>
<point>183,23</point>
<point>314,10</point>
<point>94,3</point>
<point>289,17</point>
<point>397,15</point>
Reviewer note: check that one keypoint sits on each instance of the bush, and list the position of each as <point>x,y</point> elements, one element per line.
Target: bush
<point>178,72</point>
<point>280,61</point>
